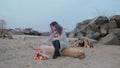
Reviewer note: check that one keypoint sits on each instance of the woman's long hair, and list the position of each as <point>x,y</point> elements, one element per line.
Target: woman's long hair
<point>59,29</point>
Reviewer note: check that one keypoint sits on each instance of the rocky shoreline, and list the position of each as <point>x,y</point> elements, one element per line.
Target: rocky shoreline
<point>105,30</point>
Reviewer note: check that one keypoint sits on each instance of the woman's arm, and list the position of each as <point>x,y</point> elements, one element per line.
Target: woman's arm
<point>57,38</point>
<point>54,37</point>
<point>50,37</point>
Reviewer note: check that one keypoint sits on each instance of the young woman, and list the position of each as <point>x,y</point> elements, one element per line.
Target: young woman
<point>57,38</point>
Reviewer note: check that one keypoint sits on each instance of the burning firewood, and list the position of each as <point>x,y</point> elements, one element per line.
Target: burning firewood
<point>39,55</point>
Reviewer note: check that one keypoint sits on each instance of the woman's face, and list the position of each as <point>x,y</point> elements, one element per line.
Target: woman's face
<point>53,28</point>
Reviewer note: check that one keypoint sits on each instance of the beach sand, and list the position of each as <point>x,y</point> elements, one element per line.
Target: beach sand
<point>19,53</point>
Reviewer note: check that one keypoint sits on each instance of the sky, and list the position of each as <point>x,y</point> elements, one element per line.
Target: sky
<point>38,14</point>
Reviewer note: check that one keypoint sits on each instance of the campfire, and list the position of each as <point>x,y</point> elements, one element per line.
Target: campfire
<point>39,55</point>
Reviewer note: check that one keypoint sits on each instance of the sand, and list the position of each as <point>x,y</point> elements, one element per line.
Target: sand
<point>19,53</point>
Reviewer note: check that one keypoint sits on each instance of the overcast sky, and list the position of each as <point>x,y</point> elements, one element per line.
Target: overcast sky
<point>38,14</point>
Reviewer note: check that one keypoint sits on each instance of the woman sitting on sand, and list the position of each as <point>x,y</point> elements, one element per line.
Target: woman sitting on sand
<point>58,38</point>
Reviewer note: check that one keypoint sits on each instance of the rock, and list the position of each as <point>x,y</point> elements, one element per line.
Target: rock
<point>78,29</point>
<point>98,27</point>
<point>110,39</point>
<point>96,24</point>
<point>76,33</point>
<point>112,24</point>
<point>71,35</point>
<point>103,32</point>
<point>90,26</point>
<point>89,33</point>
<point>116,32</point>
<point>100,20</point>
<point>79,25</point>
<point>116,18</point>
<point>83,23</point>
<point>96,35</point>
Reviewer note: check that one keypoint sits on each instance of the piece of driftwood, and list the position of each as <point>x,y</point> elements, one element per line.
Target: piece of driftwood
<point>85,42</point>
<point>70,52</point>
<point>73,52</point>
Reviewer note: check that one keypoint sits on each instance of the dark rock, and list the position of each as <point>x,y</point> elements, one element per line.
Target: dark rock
<point>112,24</point>
<point>116,32</point>
<point>116,18</point>
<point>110,39</point>
<point>100,20</point>
<point>89,33</point>
<point>101,29</point>
<point>96,23</point>
<point>103,32</point>
<point>83,23</point>
<point>96,36</point>
<point>76,33</point>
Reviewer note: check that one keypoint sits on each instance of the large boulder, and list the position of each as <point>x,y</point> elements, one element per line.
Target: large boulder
<point>116,18</point>
<point>116,32</point>
<point>112,24</point>
<point>110,39</point>
<point>98,27</point>
<point>92,28</point>
<point>100,20</point>
<point>96,23</point>
<point>89,33</point>
<point>96,36</point>
<point>76,33</point>
<point>83,23</point>
<point>103,31</point>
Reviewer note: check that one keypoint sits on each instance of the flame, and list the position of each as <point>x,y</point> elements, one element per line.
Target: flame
<point>38,55</point>
<point>39,50</point>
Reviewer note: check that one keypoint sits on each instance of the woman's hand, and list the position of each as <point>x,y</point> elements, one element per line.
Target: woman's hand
<point>50,38</point>
<point>54,37</point>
